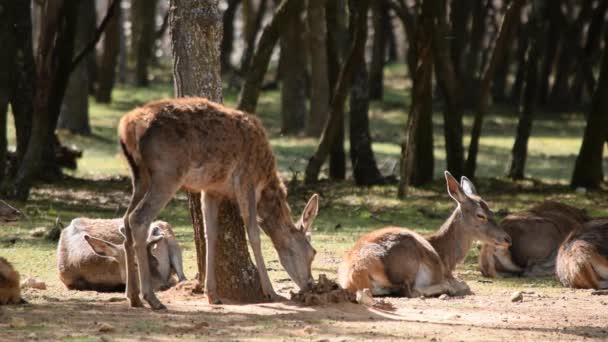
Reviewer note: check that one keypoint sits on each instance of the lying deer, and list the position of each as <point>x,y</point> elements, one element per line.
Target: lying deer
<point>399,261</point>
<point>10,292</point>
<point>199,145</point>
<point>90,255</point>
<point>8,213</point>
<point>582,260</point>
<point>536,234</point>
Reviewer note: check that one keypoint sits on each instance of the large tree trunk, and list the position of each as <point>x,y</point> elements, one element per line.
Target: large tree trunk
<point>335,122</point>
<point>228,36</point>
<point>588,171</point>
<point>74,114</point>
<point>109,58</point>
<point>293,76</point>
<point>54,59</point>
<point>365,170</point>
<point>197,73</point>
<point>143,19</point>
<point>502,42</point>
<point>421,93</point>
<point>519,152</point>
<point>379,44</point>
<point>319,82</point>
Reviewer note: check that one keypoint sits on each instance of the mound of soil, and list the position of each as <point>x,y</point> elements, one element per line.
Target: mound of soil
<point>325,291</point>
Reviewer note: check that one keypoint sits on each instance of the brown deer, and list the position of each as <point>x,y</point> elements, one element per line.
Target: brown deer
<point>199,145</point>
<point>536,234</point>
<point>582,260</point>
<point>90,256</point>
<point>10,292</point>
<point>399,261</point>
<point>8,213</point>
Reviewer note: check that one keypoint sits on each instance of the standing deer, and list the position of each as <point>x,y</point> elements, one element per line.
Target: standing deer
<point>536,234</point>
<point>90,255</point>
<point>401,262</point>
<point>8,213</point>
<point>199,145</point>
<point>582,260</point>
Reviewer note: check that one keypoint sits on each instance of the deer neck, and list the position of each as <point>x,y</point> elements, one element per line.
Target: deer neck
<point>451,242</point>
<point>274,220</point>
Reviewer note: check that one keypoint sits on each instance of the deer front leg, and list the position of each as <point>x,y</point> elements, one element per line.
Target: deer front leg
<point>210,212</point>
<point>247,205</point>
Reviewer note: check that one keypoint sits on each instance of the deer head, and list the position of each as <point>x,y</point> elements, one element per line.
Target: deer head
<point>476,217</point>
<point>159,262</point>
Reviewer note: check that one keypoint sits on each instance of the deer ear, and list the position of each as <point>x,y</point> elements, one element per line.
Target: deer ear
<point>155,234</point>
<point>310,213</point>
<point>454,189</point>
<point>103,248</point>
<point>468,187</point>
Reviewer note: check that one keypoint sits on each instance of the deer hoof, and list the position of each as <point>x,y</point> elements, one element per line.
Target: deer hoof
<point>277,298</point>
<point>213,299</point>
<point>154,303</point>
<point>136,302</point>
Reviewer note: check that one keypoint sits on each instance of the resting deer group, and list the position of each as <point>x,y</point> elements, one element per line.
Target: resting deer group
<point>202,146</point>
<point>90,255</point>
<point>399,261</point>
<point>537,234</point>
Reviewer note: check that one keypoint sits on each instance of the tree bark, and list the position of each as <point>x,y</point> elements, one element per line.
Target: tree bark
<point>143,21</point>
<point>293,80</point>
<point>250,91</point>
<point>228,36</point>
<point>588,171</point>
<point>365,170</point>
<point>109,59</point>
<point>509,23</point>
<point>421,93</point>
<point>335,121</point>
<point>379,44</point>
<point>519,152</point>
<point>74,114</point>
<point>197,72</point>
<point>319,83</point>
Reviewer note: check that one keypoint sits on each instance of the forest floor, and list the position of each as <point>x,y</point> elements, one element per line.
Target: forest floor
<point>101,188</point>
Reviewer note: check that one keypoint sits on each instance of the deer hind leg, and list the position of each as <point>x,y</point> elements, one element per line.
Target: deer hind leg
<point>210,211</point>
<point>132,288</point>
<point>247,206</point>
<point>155,199</point>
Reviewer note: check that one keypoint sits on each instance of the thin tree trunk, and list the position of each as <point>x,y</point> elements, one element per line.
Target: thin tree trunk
<point>253,22</point>
<point>293,80</point>
<point>501,43</point>
<point>421,91</point>
<point>519,152</point>
<point>109,59</point>
<point>335,121</point>
<point>472,62</point>
<point>520,71</point>
<point>143,21</point>
<point>250,91</point>
<point>74,114</point>
<point>553,16</point>
<point>197,73</point>
<point>228,36</point>
<point>319,84</point>
<point>379,44</point>
<point>365,170</point>
<point>460,13</point>
<point>588,171</point>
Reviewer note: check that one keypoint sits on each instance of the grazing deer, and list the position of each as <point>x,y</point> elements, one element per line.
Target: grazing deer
<point>536,235</point>
<point>10,292</point>
<point>399,261</point>
<point>582,260</point>
<point>8,213</point>
<point>90,255</point>
<point>199,145</point>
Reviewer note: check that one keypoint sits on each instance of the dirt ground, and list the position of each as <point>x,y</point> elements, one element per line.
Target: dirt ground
<point>543,315</point>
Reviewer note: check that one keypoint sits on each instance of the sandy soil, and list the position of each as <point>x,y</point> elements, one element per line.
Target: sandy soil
<point>542,315</point>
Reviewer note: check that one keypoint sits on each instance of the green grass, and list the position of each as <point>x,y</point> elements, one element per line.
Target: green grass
<point>102,188</point>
